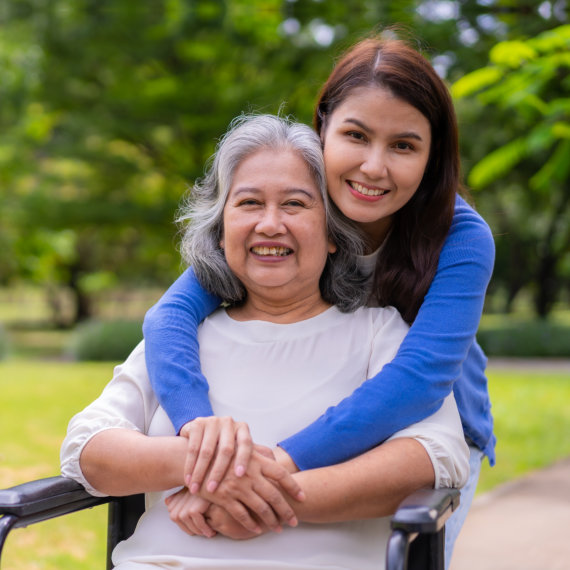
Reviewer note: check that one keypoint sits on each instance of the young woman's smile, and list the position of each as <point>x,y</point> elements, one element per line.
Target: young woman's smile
<point>376,149</point>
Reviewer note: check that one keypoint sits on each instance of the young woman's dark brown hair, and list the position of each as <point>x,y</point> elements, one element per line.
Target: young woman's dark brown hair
<point>406,269</point>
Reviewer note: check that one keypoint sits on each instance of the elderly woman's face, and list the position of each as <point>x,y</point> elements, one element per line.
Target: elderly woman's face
<point>275,237</point>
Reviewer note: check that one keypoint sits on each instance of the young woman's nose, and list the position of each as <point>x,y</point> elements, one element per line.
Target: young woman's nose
<point>270,222</point>
<point>374,165</point>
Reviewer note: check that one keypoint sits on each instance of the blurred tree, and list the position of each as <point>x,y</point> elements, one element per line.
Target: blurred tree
<point>527,83</point>
<point>111,108</point>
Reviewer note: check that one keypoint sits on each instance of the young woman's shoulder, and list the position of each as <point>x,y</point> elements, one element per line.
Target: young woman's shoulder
<point>467,219</point>
<point>469,233</point>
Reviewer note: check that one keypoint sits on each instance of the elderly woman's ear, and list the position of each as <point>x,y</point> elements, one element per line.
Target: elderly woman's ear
<point>332,246</point>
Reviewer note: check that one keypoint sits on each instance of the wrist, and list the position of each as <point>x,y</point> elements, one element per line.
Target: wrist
<point>284,459</point>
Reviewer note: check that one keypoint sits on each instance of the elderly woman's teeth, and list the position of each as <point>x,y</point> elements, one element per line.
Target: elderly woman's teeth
<point>279,251</point>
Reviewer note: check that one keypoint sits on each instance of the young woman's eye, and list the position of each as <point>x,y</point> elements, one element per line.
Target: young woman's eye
<point>355,135</point>
<point>404,146</point>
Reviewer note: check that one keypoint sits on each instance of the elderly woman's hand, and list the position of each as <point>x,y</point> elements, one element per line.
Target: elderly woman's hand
<point>258,493</point>
<point>187,511</point>
<point>213,443</point>
<point>223,523</point>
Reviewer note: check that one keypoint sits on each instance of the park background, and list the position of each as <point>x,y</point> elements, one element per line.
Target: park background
<point>108,113</point>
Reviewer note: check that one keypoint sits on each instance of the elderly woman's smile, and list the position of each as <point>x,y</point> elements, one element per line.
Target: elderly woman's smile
<point>275,238</point>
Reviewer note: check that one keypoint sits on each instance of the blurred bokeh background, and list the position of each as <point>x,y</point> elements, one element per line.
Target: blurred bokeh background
<point>109,111</point>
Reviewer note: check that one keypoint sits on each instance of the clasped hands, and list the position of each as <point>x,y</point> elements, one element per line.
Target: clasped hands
<point>233,486</point>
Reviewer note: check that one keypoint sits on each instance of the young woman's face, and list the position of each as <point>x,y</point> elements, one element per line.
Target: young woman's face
<point>376,150</point>
<point>275,237</point>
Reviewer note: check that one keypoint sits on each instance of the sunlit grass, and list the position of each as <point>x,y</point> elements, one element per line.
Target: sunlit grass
<point>532,422</point>
<point>38,399</point>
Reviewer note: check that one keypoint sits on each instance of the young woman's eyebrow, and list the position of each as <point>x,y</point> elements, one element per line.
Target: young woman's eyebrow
<point>358,123</point>
<point>403,135</point>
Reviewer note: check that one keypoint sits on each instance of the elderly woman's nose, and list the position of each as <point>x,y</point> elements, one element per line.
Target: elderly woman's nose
<point>270,221</point>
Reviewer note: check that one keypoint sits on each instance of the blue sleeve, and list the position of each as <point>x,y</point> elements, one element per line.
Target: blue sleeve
<point>171,349</point>
<point>429,361</point>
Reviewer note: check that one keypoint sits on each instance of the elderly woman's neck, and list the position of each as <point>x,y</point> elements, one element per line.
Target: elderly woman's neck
<point>281,311</point>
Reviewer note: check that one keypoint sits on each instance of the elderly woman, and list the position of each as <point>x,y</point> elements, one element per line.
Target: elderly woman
<point>262,236</point>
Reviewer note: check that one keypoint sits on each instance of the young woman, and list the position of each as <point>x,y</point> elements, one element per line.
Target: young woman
<point>389,133</point>
<point>265,191</point>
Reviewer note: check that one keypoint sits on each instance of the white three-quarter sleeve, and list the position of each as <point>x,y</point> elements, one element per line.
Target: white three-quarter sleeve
<point>127,402</point>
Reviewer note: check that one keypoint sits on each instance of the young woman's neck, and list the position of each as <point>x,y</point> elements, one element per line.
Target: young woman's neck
<point>279,310</point>
<point>374,234</point>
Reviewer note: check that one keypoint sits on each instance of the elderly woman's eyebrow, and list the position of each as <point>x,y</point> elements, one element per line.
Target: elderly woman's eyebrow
<point>285,191</point>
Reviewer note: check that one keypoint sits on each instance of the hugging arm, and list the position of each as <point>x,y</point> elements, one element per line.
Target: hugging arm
<point>172,353</point>
<point>427,364</point>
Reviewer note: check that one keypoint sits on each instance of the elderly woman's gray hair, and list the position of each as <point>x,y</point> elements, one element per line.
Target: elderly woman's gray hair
<point>341,283</point>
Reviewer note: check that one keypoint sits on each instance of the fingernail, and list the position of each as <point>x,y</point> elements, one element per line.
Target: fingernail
<point>194,488</point>
<point>293,521</point>
<point>187,480</point>
<point>212,486</point>
<point>278,529</point>
<point>240,470</point>
<point>300,496</point>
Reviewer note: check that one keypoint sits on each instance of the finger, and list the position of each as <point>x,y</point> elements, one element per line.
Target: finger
<point>209,443</point>
<point>263,450</point>
<point>244,449</point>
<point>279,474</point>
<point>224,453</point>
<point>195,434</point>
<point>273,508</point>
<point>174,505</point>
<point>199,523</point>
<point>186,511</point>
<point>243,517</point>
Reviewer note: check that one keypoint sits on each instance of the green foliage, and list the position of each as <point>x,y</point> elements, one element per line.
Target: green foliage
<point>110,109</point>
<point>105,341</point>
<point>526,339</point>
<point>526,90</point>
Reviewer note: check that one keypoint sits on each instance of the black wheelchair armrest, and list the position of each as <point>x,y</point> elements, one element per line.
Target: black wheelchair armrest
<point>41,500</point>
<point>418,524</point>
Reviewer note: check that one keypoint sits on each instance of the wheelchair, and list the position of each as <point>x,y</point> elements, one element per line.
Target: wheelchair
<point>417,541</point>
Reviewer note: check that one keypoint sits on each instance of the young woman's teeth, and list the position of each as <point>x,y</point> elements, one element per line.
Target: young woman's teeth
<point>367,191</point>
<point>278,251</point>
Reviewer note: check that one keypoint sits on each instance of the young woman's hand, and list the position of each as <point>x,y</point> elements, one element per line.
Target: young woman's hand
<point>258,497</point>
<point>187,511</point>
<point>213,443</point>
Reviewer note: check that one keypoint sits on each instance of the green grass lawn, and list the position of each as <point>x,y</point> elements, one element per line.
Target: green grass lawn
<point>531,409</point>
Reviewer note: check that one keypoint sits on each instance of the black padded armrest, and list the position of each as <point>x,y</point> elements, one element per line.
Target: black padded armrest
<point>426,510</point>
<point>46,498</point>
<point>418,534</point>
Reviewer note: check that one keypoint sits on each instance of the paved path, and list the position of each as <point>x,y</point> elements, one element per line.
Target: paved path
<point>522,525</point>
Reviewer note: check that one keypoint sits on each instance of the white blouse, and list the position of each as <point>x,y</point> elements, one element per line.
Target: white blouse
<point>277,378</point>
